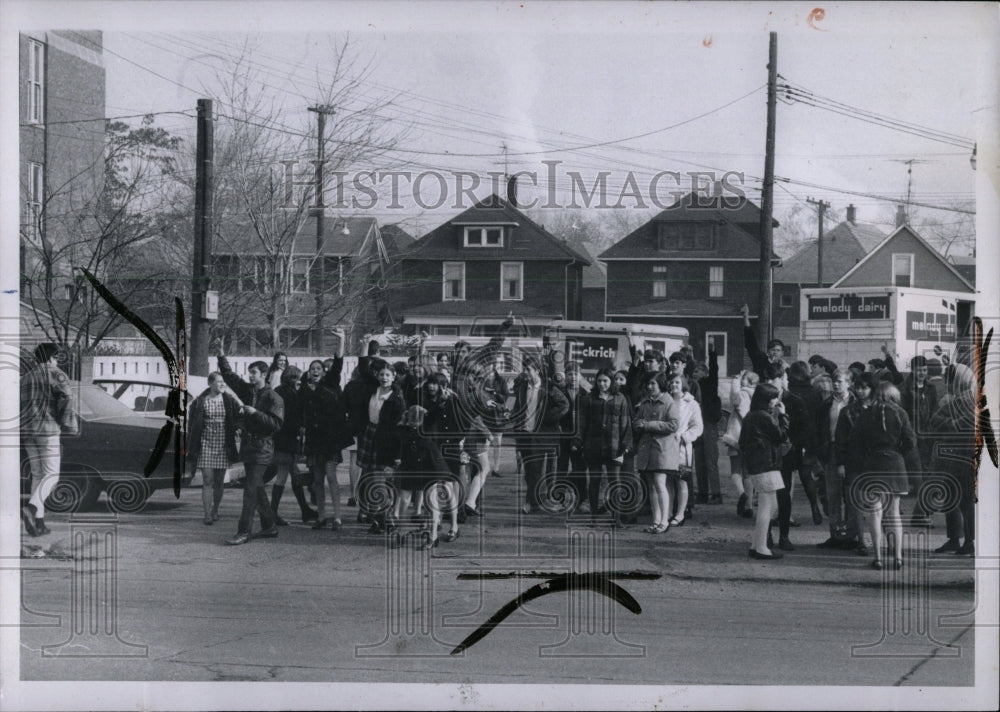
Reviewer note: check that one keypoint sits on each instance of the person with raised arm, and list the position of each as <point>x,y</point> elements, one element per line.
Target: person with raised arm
<point>263,412</point>
<point>760,359</point>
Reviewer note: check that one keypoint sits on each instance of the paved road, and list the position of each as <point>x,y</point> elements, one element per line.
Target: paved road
<point>324,606</point>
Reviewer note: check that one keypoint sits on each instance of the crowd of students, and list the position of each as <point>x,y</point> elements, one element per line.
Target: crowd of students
<point>633,443</point>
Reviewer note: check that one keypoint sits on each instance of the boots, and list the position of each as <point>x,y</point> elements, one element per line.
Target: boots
<point>276,492</point>
<point>308,513</point>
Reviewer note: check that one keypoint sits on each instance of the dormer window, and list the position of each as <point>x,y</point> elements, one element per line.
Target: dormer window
<point>692,236</point>
<point>486,236</point>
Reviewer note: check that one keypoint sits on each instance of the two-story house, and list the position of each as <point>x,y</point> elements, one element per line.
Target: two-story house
<point>843,247</point>
<point>465,276</point>
<point>268,300</point>
<point>693,265</point>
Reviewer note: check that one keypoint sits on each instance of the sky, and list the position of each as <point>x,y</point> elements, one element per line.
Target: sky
<point>548,78</point>
<point>537,77</point>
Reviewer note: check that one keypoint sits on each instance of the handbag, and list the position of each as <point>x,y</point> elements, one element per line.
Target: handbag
<point>302,476</point>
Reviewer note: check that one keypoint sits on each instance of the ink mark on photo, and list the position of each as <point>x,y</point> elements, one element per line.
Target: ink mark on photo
<point>600,583</point>
<point>176,411</point>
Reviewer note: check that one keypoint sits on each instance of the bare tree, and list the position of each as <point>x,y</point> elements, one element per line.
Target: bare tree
<point>105,218</point>
<point>268,267</point>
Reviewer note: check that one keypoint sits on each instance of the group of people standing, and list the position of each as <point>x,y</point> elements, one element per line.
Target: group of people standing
<point>860,437</point>
<point>634,441</point>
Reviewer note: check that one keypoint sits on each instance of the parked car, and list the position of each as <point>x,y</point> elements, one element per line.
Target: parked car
<point>109,454</point>
<point>148,396</point>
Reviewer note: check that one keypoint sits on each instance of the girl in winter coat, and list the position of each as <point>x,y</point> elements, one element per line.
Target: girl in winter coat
<point>689,429</point>
<point>378,446</point>
<point>211,440</point>
<point>740,395</point>
<point>604,433</point>
<point>423,470</point>
<point>654,424</point>
<point>888,447</point>
<point>954,428</point>
<point>764,433</point>
<point>444,425</point>
<point>327,433</point>
<point>287,445</point>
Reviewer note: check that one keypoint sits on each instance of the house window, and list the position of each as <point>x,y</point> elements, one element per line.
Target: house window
<point>786,301</point>
<point>483,236</point>
<point>299,275</point>
<point>902,270</point>
<point>36,82</point>
<point>33,201</point>
<point>454,281</point>
<point>659,269</point>
<point>659,289</point>
<point>715,278</point>
<point>511,281</point>
<point>694,236</point>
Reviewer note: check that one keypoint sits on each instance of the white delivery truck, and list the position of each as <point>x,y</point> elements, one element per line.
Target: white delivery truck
<point>593,344</point>
<point>597,344</point>
<point>852,323</point>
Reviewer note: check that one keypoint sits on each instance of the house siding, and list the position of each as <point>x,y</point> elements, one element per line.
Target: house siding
<point>631,283</point>
<point>545,284</point>
<point>928,271</point>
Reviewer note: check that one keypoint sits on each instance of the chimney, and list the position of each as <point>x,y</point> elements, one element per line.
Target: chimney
<point>900,216</point>
<point>851,217</point>
<point>512,191</point>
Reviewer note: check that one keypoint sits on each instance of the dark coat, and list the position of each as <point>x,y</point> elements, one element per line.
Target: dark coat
<point>920,404</point>
<point>708,387</point>
<point>420,461</point>
<point>954,444</point>
<point>801,430</point>
<point>356,395</point>
<point>324,417</point>
<point>257,446</point>
<point>286,440</point>
<point>196,425</point>
<point>551,400</point>
<point>887,444</point>
<point>760,441</point>
<point>605,427</point>
<point>846,452</point>
<point>568,423</point>
<point>387,431</point>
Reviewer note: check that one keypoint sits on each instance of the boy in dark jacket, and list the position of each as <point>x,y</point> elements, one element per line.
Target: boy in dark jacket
<point>263,413</point>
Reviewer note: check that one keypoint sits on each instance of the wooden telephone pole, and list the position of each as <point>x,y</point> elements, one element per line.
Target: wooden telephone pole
<point>203,217</point>
<point>767,196</point>
<point>321,113</point>
<point>819,245</point>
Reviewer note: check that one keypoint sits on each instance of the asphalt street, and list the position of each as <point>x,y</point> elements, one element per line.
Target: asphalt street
<point>157,595</point>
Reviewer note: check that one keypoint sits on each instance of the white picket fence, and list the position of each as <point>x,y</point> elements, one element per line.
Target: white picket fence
<point>154,368</point>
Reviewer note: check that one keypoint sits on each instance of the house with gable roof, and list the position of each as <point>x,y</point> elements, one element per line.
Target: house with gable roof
<point>693,265</point>
<point>351,270</point>
<point>843,247</point>
<point>464,277</point>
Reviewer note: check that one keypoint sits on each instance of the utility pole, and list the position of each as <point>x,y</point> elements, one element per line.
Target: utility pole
<point>203,302</point>
<point>322,110</point>
<point>819,245</point>
<point>767,196</point>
